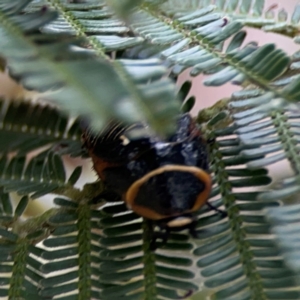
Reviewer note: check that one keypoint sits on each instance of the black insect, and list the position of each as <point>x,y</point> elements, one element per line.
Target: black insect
<point>162,180</point>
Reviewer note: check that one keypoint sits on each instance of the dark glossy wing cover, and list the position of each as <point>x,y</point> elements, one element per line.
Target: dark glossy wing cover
<point>120,161</point>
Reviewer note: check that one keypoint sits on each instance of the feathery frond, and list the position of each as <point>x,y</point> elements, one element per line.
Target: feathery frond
<point>42,175</point>
<point>54,62</point>
<point>119,59</point>
<point>252,13</point>
<point>285,223</point>
<point>17,244</point>
<point>26,126</point>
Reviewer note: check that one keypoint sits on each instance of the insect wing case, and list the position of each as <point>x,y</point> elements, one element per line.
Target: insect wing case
<point>157,179</point>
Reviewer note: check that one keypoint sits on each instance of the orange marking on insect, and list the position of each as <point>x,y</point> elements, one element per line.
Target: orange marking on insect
<point>152,214</point>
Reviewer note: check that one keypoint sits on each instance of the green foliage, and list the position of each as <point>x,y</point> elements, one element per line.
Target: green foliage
<point>26,126</point>
<point>106,59</point>
<point>57,61</point>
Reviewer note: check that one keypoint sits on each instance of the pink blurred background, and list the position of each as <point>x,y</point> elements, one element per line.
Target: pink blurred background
<point>206,96</point>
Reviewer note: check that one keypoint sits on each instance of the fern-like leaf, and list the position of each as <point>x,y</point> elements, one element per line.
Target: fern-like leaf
<point>44,174</point>
<point>48,63</point>
<point>251,13</point>
<point>19,253</point>
<point>93,246</point>
<point>285,223</point>
<point>26,127</point>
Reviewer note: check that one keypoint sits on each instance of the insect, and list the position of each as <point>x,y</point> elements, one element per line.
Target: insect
<point>162,180</point>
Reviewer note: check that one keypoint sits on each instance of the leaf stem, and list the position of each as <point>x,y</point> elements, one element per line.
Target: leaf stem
<point>150,292</point>
<point>84,250</point>
<point>236,224</point>
<point>16,286</point>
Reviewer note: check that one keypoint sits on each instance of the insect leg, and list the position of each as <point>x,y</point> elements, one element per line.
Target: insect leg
<point>163,235</point>
<point>107,196</point>
<point>187,294</point>
<point>224,213</point>
<point>192,228</point>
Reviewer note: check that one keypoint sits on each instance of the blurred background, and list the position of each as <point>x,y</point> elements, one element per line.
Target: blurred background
<point>207,96</point>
